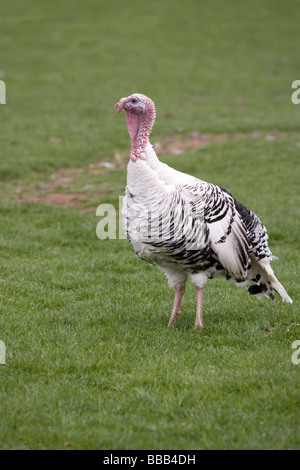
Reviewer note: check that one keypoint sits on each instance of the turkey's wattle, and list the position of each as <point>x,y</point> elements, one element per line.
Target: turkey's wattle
<point>140,115</point>
<point>189,228</point>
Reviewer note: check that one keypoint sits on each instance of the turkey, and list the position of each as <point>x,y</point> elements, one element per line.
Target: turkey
<point>189,228</point>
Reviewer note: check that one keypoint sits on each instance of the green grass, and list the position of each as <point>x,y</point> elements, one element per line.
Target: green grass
<point>91,363</point>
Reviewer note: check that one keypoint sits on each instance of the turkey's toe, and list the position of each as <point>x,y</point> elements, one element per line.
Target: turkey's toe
<point>198,326</point>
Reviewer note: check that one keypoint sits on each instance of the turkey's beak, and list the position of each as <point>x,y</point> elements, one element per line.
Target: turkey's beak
<point>121,104</point>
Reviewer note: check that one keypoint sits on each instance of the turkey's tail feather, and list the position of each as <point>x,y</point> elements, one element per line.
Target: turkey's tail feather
<point>263,281</point>
<point>281,290</point>
<point>262,289</point>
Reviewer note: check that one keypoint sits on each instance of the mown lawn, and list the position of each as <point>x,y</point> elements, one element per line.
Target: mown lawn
<point>90,362</point>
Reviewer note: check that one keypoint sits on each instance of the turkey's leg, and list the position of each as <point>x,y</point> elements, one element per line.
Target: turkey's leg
<point>179,291</point>
<point>199,312</point>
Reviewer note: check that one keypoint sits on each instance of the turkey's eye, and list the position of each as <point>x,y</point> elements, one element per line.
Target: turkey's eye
<point>133,100</point>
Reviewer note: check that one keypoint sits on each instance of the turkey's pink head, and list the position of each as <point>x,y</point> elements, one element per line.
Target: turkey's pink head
<point>140,115</point>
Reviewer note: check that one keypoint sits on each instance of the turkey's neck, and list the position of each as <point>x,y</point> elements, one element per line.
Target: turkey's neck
<point>139,128</point>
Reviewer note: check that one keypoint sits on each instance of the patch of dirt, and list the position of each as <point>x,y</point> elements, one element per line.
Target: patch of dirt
<point>195,140</point>
<point>47,192</point>
<point>60,199</point>
<point>55,183</point>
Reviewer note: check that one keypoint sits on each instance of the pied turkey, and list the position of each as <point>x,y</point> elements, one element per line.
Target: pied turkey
<point>187,227</point>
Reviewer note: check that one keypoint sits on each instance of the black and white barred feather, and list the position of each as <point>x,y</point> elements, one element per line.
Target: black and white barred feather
<point>189,227</point>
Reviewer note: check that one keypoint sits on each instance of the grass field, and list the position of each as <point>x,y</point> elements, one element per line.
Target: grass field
<point>90,362</point>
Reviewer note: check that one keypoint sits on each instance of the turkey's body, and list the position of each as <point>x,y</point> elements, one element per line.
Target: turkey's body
<point>193,229</point>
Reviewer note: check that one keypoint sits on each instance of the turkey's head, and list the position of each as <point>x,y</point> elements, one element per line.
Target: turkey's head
<point>140,115</point>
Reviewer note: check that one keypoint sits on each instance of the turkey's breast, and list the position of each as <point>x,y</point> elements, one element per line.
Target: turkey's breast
<point>170,230</point>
